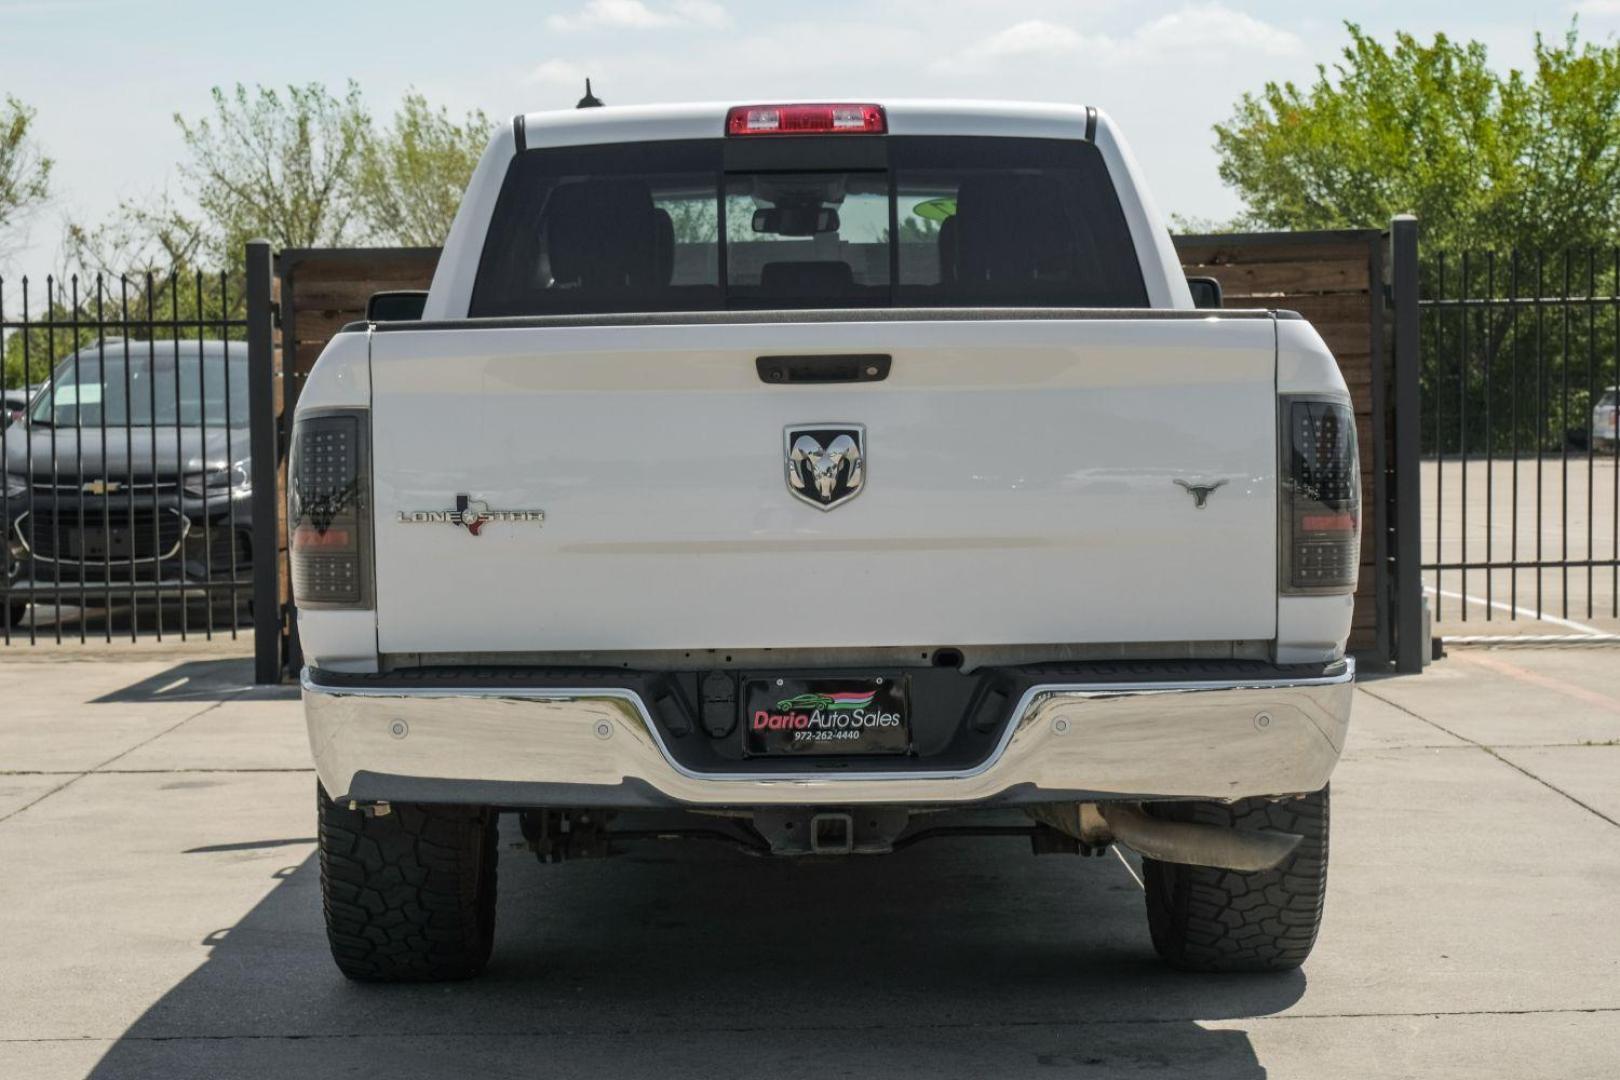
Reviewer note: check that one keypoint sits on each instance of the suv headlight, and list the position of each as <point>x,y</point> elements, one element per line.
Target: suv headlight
<point>236,479</point>
<point>16,485</point>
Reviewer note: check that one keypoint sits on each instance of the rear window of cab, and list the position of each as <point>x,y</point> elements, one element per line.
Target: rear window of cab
<point>813,222</point>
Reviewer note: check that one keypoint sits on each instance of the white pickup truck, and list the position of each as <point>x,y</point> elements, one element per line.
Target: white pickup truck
<point>827,477</point>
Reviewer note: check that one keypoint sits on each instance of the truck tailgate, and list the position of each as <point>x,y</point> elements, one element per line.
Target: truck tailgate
<point>1020,486</point>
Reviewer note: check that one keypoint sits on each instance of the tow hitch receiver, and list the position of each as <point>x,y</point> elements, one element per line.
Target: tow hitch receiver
<point>856,831</point>
<point>832,834</point>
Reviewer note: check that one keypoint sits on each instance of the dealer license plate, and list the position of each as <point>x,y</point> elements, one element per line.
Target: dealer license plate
<point>826,716</point>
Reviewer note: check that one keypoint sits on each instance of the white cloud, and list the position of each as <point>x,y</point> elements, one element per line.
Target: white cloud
<point>614,14</point>
<point>1032,37</point>
<point>637,15</point>
<point>703,13</point>
<point>1213,31</point>
<point>1213,27</point>
<point>559,73</point>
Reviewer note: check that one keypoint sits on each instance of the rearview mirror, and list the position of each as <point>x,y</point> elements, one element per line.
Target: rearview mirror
<point>796,220</point>
<point>1206,292</point>
<point>404,305</point>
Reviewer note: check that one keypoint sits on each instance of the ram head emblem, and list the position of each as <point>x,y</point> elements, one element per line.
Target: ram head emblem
<point>826,464</point>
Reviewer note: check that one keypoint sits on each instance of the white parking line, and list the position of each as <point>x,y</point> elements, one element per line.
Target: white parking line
<point>1525,641</point>
<point>1516,612</point>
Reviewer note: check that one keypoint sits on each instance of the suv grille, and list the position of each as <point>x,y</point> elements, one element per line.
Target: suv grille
<point>63,535</point>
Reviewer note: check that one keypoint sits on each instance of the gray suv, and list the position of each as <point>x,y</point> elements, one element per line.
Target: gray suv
<point>128,478</point>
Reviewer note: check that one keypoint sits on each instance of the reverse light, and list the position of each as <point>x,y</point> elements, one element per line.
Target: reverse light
<point>806,120</point>
<point>328,511</point>
<point>1320,512</point>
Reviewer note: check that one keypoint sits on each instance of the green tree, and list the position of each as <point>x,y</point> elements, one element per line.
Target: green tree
<point>76,309</point>
<point>25,171</point>
<point>1521,159</point>
<point>412,175</point>
<point>1518,169</point>
<point>278,165</point>
<point>150,236</point>
<point>29,355</point>
<point>142,266</point>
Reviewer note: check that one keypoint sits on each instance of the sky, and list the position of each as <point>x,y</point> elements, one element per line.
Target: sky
<point>107,76</point>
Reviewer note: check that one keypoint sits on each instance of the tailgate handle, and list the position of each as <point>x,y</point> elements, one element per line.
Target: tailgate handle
<point>849,367</point>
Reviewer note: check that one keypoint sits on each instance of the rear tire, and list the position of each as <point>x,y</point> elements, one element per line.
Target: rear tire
<point>408,896</point>
<point>1204,919</point>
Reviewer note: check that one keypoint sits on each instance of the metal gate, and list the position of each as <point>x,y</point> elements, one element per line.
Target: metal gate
<point>1519,361</point>
<point>134,477</point>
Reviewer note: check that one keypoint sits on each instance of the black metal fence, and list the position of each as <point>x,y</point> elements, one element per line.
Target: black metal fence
<point>1520,360</point>
<point>128,466</point>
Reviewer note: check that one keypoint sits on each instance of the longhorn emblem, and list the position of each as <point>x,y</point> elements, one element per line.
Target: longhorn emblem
<point>1200,492</point>
<point>826,463</point>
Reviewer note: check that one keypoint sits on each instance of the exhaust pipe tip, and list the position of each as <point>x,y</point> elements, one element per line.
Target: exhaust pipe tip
<point>1197,845</point>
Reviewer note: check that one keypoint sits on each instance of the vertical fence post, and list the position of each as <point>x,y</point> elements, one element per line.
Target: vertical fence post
<point>265,449</point>
<point>1408,577</point>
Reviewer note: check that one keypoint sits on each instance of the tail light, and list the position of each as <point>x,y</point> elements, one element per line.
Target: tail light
<point>806,120</point>
<point>1321,497</point>
<point>328,511</point>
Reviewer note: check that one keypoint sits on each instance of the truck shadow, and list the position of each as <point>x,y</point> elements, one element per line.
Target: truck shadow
<point>956,958</point>
<point>227,678</point>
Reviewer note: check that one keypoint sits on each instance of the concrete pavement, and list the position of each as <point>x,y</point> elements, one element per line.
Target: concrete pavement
<point>1526,511</point>
<point>159,915</point>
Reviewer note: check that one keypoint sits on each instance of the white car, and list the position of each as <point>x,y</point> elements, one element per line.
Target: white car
<point>1604,415</point>
<point>841,475</point>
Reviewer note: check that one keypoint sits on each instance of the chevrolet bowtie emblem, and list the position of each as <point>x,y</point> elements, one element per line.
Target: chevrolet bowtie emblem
<point>101,487</point>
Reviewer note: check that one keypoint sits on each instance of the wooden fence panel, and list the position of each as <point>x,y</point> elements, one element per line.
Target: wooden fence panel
<point>328,289</point>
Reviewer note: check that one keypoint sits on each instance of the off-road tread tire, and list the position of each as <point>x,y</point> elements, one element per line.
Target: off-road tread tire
<point>408,896</point>
<point>1208,920</point>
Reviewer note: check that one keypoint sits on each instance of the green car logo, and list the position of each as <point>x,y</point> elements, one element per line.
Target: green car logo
<point>805,701</point>
<point>840,701</point>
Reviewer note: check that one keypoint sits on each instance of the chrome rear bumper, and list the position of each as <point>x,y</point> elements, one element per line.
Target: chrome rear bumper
<point>1213,739</point>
